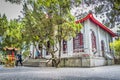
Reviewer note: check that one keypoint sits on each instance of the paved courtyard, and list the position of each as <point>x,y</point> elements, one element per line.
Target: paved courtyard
<point>40,73</point>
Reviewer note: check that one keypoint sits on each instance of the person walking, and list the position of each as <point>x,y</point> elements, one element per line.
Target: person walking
<point>19,59</point>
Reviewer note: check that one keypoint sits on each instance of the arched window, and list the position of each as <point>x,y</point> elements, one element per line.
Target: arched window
<point>78,45</point>
<point>64,46</point>
<point>102,47</point>
<point>93,39</point>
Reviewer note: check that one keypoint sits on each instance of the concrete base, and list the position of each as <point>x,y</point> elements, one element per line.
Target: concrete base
<point>101,61</point>
<point>85,62</point>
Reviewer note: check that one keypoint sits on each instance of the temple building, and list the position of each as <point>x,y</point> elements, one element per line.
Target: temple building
<point>91,47</point>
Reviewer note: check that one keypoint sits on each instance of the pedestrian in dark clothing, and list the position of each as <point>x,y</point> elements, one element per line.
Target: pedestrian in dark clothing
<point>19,59</point>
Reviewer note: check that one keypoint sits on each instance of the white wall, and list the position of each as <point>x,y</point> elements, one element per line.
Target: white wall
<point>100,35</point>
<point>86,36</point>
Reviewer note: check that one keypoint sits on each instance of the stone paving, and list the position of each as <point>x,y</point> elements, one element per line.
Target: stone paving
<point>49,73</point>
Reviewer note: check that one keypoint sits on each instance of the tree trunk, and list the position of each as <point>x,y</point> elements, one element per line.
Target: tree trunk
<point>56,61</point>
<point>59,56</point>
<point>53,60</point>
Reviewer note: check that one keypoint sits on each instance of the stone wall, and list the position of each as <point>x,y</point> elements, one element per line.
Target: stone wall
<point>117,61</point>
<point>97,61</point>
<point>110,62</point>
<point>84,62</point>
<point>75,62</point>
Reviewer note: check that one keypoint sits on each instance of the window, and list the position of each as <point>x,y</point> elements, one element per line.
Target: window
<point>93,39</point>
<point>64,46</point>
<point>78,45</point>
<point>102,47</point>
<point>110,49</point>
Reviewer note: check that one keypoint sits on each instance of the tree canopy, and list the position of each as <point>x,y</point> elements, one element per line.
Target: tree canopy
<point>107,10</point>
<point>49,21</point>
<point>116,46</point>
<point>11,32</point>
<point>3,24</point>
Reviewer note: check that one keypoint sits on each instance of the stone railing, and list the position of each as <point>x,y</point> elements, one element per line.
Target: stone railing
<point>76,53</point>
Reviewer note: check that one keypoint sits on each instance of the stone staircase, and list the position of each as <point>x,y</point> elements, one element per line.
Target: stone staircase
<point>35,62</point>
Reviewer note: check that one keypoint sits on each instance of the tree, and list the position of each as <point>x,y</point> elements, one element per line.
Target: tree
<point>12,34</point>
<point>3,24</point>
<point>117,5</point>
<point>116,46</point>
<point>50,22</point>
<point>3,27</point>
<point>107,10</point>
<point>15,1</point>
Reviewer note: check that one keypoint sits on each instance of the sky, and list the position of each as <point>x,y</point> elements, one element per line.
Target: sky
<point>11,10</point>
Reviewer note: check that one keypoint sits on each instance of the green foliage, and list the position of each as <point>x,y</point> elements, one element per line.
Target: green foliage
<point>25,54</point>
<point>117,5</point>
<point>2,56</point>
<point>3,24</point>
<point>49,21</point>
<point>13,35</point>
<point>100,7</point>
<point>116,46</point>
<point>44,21</point>
<point>108,8</point>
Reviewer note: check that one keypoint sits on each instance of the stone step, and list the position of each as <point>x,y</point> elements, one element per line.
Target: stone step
<point>35,63</point>
<point>35,60</point>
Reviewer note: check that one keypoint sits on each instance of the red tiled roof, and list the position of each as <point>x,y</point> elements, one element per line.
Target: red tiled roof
<point>90,17</point>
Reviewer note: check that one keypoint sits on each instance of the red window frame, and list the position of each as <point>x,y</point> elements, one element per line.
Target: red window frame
<point>93,39</point>
<point>78,44</point>
<point>64,46</point>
